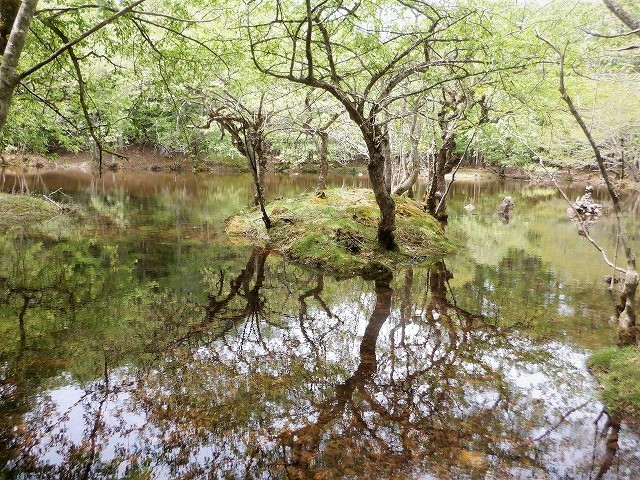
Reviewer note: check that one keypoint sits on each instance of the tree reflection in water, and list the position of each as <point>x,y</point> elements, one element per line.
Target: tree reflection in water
<point>273,393</point>
<point>281,373</point>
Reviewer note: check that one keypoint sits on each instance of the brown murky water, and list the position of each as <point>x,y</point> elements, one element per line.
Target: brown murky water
<point>146,345</point>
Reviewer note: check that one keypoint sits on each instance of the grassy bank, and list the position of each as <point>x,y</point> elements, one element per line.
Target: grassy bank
<point>618,371</point>
<point>21,210</point>
<point>337,233</point>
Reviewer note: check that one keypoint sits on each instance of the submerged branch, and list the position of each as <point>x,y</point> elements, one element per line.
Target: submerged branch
<point>570,203</point>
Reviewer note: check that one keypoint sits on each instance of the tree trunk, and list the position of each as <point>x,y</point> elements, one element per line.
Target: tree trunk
<point>322,148</point>
<point>437,183</point>
<point>9,67</point>
<point>441,165</point>
<point>258,182</point>
<point>627,330</point>
<point>254,150</point>
<point>377,176</point>
<point>8,13</point>
<point>261,168</point>
<point>624,16</point>
<point>411,176</point>
<point>386,153</point>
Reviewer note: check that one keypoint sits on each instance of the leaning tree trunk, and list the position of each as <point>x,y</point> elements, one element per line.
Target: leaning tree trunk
<point>406,185</point>
<point>9,77</point>
<point>628,331</point>
<point>623,15</point>
<point>8,13</point>
<point>253,148</point>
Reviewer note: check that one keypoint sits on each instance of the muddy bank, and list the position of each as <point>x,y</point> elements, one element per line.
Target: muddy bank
<point>149,159</point>
<point>137,158</point>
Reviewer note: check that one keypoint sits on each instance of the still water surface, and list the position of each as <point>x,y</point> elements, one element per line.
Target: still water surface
<point>146,344</point>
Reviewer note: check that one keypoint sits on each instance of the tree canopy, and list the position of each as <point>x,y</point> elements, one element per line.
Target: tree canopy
<point>414,87</point>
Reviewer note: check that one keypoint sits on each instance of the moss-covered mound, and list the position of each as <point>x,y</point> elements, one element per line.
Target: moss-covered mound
<point>18,210</point>
<point>618,372</point>
<point>337,232</point>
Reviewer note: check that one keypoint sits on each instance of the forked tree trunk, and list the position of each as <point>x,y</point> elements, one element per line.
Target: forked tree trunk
<point>410,175</point>
<point>9,67</point>
<point>440,166</point>
<point>247,137</point>
<point>257,163</point>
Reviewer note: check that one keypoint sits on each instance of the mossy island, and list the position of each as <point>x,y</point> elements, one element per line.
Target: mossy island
<point>336,232</point>
<point>24,210</point>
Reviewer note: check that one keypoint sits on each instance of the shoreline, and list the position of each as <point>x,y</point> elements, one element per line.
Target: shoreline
<point>140,159</point>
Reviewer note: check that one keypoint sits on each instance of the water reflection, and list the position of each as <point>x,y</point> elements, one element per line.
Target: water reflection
<point>144,352</point>
<point>271,371</point>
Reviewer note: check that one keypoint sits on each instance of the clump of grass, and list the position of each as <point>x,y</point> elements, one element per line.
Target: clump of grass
<point>338,232</point>
<point>21,210</point>
<point>231,163</point>
<point>618,371</point>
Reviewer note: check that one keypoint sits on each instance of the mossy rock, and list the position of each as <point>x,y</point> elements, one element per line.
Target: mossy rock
<point>23,210</point>
<point>337,232</point>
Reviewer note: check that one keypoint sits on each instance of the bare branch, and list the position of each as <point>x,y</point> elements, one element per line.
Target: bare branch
<point>624,16</point>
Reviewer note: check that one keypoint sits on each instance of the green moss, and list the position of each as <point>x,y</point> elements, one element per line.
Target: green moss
<point>338,232</point>
<point>618,371</point>
<point>230,163</point>
<point>21,210</point>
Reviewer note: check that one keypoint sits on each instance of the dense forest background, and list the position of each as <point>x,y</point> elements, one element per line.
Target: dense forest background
<point>474,76</point>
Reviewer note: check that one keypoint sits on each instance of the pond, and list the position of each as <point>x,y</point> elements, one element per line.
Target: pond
<point>146,344</point>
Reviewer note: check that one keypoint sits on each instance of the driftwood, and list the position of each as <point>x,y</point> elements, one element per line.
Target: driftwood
<point>585,206</point>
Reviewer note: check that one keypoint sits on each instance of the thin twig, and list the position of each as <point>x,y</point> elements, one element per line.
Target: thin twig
<point>60,207</point>
<point>559,422</point>
<point>564,195</point>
